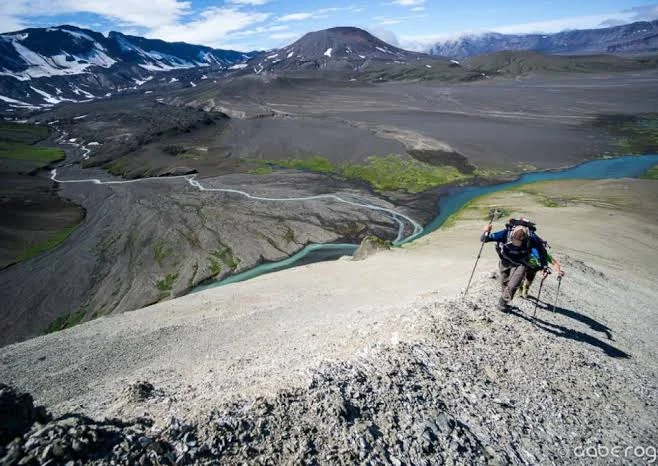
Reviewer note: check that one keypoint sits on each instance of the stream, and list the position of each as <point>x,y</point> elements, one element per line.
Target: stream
<point>449,203</point>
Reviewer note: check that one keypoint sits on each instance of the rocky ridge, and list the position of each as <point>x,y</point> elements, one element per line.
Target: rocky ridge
<point>476,386</point>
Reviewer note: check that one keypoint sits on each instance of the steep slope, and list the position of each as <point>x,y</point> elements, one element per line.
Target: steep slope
<point>354,362</point>
<point>636,38</point>
<point>353,53</point>
<point>42,67</point>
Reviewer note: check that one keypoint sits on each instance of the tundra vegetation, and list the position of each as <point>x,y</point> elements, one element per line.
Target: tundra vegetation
<point>386,173</point>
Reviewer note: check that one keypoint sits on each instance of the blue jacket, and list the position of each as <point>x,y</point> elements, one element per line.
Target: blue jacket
<point>517,254</point>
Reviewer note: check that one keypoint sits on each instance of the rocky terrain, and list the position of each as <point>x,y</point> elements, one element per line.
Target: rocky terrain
<point>42,67</point>
<point>415,376</point>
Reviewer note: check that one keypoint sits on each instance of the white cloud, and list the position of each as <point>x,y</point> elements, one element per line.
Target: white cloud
<point>259,30</point>
<point>211,28</point>
<point>555,25</point>
<point>387,21</point>
<point>286,35</point>
<point>149,14</point>
<point>408,2</point>
<point>317,14</point>
<point>248,2</point>
<point>418,8</point>
<point>295,17</point>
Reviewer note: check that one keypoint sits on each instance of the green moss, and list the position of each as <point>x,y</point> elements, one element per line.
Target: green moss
<point>161,251</point>
<point>395,174</point>
<point>55,239</point>
<point>166,284</point>
<point>65,321</point>
<point>651,174</point>
<point>388,173</point>
<point>315,164</point>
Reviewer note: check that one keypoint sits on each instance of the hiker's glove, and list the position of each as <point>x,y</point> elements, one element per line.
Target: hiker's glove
<point>487,228</point>
<point>545,272</point>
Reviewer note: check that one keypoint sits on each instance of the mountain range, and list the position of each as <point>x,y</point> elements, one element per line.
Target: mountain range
<point>635,38</point>
<point>41,67</point>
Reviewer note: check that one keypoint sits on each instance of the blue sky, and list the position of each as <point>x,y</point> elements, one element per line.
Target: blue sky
<point>263,24</point>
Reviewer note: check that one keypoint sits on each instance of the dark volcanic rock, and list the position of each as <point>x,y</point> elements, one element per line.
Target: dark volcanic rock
<point>17,413</point>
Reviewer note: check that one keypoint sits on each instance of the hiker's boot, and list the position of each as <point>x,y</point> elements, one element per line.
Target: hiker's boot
<point>502,305</point>
<point>524,291</point>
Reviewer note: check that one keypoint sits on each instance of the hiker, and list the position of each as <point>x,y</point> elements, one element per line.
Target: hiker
<point>535,266</point>
<point>514,247</point>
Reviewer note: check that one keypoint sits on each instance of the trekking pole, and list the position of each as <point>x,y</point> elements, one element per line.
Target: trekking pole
<point>557,295</point>
<point>541,284</point>
<point>493,213</point>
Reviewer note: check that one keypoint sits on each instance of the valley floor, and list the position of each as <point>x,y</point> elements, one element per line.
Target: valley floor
<point>383,360</point>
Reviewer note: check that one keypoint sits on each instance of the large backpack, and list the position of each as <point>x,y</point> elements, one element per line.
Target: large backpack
<point>511,252</point>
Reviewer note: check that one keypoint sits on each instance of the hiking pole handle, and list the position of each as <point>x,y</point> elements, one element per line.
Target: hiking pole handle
<point>557,294</point>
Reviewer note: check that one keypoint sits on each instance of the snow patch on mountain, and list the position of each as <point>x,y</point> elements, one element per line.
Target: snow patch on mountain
<point>17,103</point>
<point>328,52</point>
<point>57,65</point>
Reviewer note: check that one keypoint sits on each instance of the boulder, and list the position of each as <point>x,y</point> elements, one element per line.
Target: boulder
<point>369,246</point>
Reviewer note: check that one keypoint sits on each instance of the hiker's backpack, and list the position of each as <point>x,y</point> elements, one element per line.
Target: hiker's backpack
<point>511,252</point>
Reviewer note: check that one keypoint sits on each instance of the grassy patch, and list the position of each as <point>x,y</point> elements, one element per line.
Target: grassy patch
<point>17,143</point>
<point>41,156</point>
<point>55,239</point>
<point>220,257</point>
<point>166,284</point>
<point>316,164</point>
<point>225,254</point>
<point>394,174</point>
<point>22,133</point>
<point>117,168</point>
<point>289,236</point>
<point>651,174</point>
<point>215,266</point>
<point>65,321</point>
<point>389,173</point>
<point>636,134</point>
